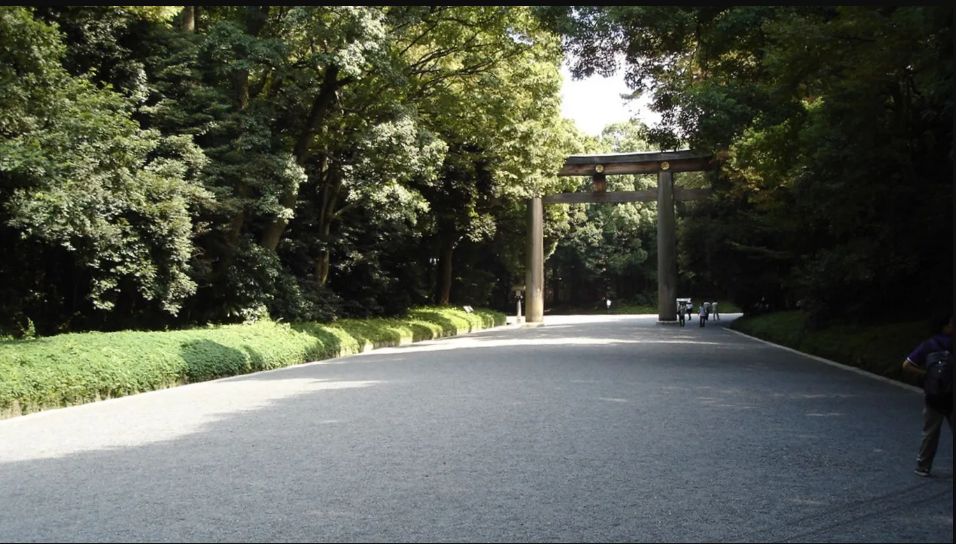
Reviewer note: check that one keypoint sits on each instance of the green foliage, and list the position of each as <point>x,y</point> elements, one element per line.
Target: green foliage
<point>72,369</point>
<point>608,250</point>
<point>297,162</point>
<point>488,83</point>
<point>84,188</point>
<point>834,129</point>
<point>880,349</point>
<point>309,163</point>
<point>728,307</point>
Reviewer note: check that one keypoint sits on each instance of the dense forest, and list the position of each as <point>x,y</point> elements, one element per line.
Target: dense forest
<point>167,167</point>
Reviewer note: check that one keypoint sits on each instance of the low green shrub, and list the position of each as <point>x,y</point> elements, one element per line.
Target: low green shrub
<point>73,369</point>
<point>728,308</point>
<point>877,348</point>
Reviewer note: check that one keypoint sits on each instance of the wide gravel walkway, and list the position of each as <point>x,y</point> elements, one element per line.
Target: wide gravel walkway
<point>598,428</point>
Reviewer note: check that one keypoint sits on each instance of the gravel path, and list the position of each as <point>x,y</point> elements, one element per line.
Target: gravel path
<point>597,428</point>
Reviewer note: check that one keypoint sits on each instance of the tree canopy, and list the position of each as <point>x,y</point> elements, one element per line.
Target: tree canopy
<point>833,125</point>
<point>176,166</point>
<point>167,166</point>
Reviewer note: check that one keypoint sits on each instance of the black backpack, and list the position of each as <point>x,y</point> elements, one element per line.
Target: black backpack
<point>938,383</point>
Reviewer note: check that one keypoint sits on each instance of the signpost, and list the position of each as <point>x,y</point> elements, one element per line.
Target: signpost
<point>519,294</point>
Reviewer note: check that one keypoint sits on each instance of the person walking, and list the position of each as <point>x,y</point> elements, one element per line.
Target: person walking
<point>702,313</point>
<point>681,309</point>
<point>713,308</point>
<point>936,407</point>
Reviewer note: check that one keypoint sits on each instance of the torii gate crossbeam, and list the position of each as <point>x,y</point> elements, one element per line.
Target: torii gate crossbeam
<point>664,164</point>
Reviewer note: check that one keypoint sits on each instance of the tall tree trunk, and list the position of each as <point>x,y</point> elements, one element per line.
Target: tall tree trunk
<point>321,107</point>
<point>329,198</point>
<point>254,25</point>
<point>322,266</point>
<point>257,18</point>
<point>447,251</point>
<point>325,228</point>
<point>189,19</point>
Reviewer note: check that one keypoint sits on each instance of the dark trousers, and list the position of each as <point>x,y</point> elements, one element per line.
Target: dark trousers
<point>932,425</point>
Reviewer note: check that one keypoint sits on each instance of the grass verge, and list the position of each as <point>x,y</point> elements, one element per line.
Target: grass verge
<point>73,369</point>
<point>879,349</point>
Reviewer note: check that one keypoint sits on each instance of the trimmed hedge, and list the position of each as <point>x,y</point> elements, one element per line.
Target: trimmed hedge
<point>72,369</point>
<point>878,348</point>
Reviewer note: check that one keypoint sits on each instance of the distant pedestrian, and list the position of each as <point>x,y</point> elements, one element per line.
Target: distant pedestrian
<point>608,305</point>
<point>713,308</point>
<point>681,310</point>
<point>702,313</point>
<point>933,359</point>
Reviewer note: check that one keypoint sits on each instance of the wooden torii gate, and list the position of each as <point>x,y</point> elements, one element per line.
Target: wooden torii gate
<point>665,165</point>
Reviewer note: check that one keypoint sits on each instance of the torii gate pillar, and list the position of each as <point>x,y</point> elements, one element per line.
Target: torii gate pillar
<point>666,249</point>
<point>664,164</point>
<point>534,276</point>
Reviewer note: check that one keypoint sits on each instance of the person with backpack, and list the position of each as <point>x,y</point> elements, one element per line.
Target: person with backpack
<point>703,313</point>
<point>934,360</point>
